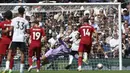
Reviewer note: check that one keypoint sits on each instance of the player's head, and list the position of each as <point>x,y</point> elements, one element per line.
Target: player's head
<point>8,15</point>
<point>21,10</point>
<point>35,23</point>
<point>67,41</point>
<point>75,27</point>
<point>86,20</point>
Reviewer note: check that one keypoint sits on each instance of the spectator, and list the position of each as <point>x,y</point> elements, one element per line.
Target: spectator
<point>126,16</point>
<point>114,44</point>
<point>93,23</point>
<point>127,43</point>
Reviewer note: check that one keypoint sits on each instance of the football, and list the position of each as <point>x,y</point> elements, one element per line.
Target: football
<point>99,66</point>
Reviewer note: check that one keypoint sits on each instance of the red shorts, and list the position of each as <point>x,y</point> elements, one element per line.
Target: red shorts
<point>4,44</point>
<point>84,48</point>
<point>34,49</point>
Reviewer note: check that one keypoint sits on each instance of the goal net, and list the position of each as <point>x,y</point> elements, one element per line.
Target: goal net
<point>104,17</point>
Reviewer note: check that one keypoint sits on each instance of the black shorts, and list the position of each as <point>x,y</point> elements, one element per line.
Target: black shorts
<point>74,53</point>
<point>21,45</point>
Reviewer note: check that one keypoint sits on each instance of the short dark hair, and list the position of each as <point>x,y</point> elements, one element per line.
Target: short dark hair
<point>85,19</point>
<point>8,15</point>
<point>36,22</point>
<point>21,10</point>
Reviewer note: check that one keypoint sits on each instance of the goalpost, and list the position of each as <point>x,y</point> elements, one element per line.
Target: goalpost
<point>76,8</point>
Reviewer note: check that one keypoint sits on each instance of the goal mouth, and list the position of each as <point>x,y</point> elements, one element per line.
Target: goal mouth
<point>56,16</point>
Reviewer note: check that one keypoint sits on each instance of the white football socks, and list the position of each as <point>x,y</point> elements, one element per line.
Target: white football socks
<point>21,68</point>
<point>7,65</point>
<point>70,59</point>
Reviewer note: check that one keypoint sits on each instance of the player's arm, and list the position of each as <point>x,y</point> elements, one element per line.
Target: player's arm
<point>27,28</point>
<point>7,30</point>
<point>59,37</point>
<point>44,38</point>
<point>13,22</point>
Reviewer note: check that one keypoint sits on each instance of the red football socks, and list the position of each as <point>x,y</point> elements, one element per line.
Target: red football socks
<point>30,61</point>
<point>38,63</point>
<point>79,61</point>
<point>11,62</point>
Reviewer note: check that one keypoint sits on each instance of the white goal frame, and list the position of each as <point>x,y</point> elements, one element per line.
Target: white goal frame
<point>61,4</point>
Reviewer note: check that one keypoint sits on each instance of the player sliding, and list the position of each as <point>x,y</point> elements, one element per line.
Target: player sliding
<point>85,44</point>
<point>63,49</point>
<point>36,34</point>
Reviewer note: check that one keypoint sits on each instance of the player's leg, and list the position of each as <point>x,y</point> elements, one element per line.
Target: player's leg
<point>12,47</point>
<point>22,62</point>
<point>22,47</point>
<point>70,61</point>
<point>11,63</point>
<point>80,51</point>
<point>86,53</point>
<point>85,57</point>
<point>2,50</point>
<point>38,54</point>
<point>71,57</point>
<point>30,61</point>
<point>46,57</point>
<point>44,60</point>
<point>12,55</point>
<point>1,56</point>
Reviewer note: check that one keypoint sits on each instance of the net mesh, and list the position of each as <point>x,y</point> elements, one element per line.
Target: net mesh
<point>103,17</point>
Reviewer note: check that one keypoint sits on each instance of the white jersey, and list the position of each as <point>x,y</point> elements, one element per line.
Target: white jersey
<point>52,41</point>
<point>75,44</point>
<point>20,25</point>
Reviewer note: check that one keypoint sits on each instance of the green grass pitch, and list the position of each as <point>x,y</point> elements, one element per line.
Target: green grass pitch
<point>72,71</point>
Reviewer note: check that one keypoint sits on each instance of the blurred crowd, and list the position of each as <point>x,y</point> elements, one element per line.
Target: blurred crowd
<point>103,18</point>
<point>60,1</point>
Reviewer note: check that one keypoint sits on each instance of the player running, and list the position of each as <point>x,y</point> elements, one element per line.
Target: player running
<point>36,35</point>
<point>75,45</point>
<point>6,37</point>
<point>86,32</point>
<point>19,26</point>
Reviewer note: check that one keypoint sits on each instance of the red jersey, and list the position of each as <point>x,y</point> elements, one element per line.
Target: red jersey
<point>86,32</point>
<point>4,26</point>
<point>36,34</point>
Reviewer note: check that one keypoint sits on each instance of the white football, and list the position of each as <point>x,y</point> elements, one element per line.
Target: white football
<point>99,66</point>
